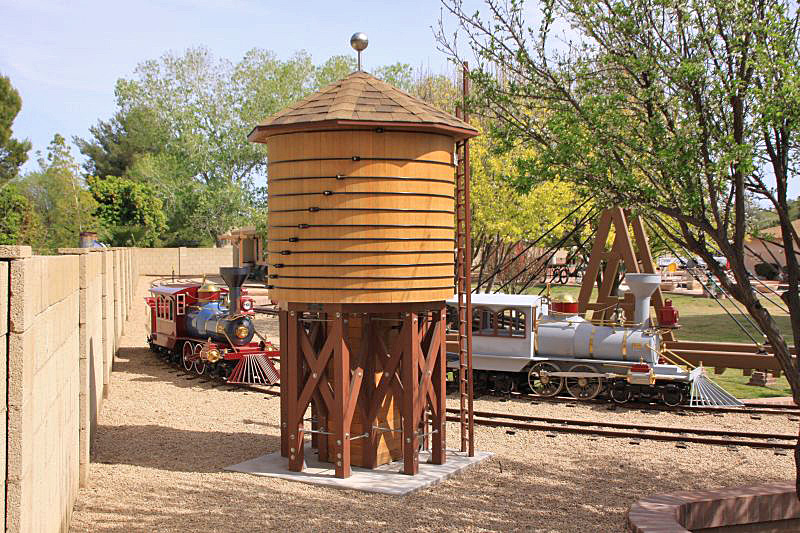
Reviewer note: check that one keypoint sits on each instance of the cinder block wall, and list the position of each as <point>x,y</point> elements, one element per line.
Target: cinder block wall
<point>66,315</point>
<point>4,282</point>
<point>43,392</point>
<point>181,261</point>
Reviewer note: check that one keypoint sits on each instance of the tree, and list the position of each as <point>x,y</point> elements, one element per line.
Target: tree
<point>685,111</point>
<point>19,224</point>
<point>513,230</point>
<point>119,142</point>
<point>130,212</point>
<point>59,197</point>
<point>13,153</point>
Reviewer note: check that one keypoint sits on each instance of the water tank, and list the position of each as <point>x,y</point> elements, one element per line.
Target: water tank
<point>361,196</point>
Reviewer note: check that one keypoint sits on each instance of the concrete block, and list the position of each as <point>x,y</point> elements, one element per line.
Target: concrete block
<point>4,267</point>
<point>15,252</point>
<point>19,506</point>
<point>21,442</point>
<point>21,363</point>
<point>25,289</point>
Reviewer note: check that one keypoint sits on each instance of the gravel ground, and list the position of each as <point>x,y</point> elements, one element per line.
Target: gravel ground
<point>163,440</point>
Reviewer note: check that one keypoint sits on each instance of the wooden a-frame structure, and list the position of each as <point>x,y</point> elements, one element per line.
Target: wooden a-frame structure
<point>622,252</point>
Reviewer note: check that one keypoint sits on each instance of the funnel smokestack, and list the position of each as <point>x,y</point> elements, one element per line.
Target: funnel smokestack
<point>234,277</point>
<point>642,286</point>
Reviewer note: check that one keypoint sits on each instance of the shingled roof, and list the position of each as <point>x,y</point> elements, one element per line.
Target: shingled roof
<point>360,100</point>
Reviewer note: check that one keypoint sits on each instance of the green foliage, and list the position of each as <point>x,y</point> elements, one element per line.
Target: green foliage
<point>19,223</point>
<point>182,125</point>
<point>13,153</point>
<point>399,75</point>
<point>59,197</point>
<point>334,69</point>
<point>118,143</point>
<point>130,212</point>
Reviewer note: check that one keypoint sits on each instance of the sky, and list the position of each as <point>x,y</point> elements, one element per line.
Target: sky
<point>64,57</point>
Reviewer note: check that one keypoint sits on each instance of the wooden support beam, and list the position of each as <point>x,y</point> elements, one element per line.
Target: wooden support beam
<point>596,257</point>
<point>294,374</point>
<point>410,379</point>
<point>439,416</point>
<point>283,317</point>
<point>341,397</point>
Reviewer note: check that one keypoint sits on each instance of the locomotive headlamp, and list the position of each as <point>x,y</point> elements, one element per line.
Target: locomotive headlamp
<point>247,305</point>
<point>241,331</point>
<point>212,356</point>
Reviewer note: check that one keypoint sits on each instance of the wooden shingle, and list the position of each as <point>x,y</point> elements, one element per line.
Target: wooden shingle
<point>360,97</point>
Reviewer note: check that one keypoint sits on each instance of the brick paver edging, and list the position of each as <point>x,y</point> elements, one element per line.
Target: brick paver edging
<point>684,511</point>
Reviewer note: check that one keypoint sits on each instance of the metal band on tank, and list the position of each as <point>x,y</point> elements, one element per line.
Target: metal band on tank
<point>387,278</point>
<point>403,239</point>
<point>624,347</point>
<point>369,193</point>
<point>387,265</point>
<point>360,288</point>
<point>382,252</point>
<point>398,226</point>
<point>382,178</point>
<point>591,342</point>
<point>357,158</point>
<point>315,209</point>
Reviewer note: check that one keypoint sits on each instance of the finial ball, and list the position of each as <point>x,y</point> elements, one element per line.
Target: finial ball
<point>359,41</point>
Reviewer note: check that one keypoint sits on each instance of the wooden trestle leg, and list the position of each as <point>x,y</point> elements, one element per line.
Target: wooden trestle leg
<point>439,417</point>
<point>282,326</point>
<point>318,368</point>
<point>410,379</point>
<point>294,376</point>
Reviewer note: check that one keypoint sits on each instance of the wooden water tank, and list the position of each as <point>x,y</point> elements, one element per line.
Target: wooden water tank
<point>361,196</point>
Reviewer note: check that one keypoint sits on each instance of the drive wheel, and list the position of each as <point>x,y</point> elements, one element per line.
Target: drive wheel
<point>672,395</point>
<point>620,392</point>
<point>186,357</point>
<point>199,364</point>
<point>584,388</point>
<point>542,383</point>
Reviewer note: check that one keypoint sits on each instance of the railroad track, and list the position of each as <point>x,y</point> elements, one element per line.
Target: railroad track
<point>632,431</point>
<point>749,409</point>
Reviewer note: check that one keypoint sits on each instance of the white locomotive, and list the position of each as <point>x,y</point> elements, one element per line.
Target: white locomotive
<point>522,342</point>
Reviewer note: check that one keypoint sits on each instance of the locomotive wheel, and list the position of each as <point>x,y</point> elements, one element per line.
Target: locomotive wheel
<point>584,388</point>
<point>199,364</point>
<point>187,359</point>
<point>672,395</point>
<point>543,384</point>
<point>620,392</point>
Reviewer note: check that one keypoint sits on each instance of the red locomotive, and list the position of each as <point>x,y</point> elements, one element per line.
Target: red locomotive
<point>210,329</point>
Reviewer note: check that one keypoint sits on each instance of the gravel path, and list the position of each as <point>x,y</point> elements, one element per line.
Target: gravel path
<point>163,440</point>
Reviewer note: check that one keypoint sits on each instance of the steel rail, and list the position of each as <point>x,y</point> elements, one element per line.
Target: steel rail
<point>749,409</point>
<point>597,430</point>
<point>638,427</point>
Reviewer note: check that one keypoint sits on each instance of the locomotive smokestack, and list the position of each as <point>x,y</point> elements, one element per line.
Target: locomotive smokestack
<point>642,285</point>
<point>234,277</point>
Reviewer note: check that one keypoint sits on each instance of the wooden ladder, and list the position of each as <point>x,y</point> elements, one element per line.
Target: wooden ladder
<point>464,281</point>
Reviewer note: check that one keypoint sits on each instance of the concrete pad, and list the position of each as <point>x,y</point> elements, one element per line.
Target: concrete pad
<point>385,479</point>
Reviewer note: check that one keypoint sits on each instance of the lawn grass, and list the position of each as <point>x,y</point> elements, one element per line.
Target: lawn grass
<point>702,319</point>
